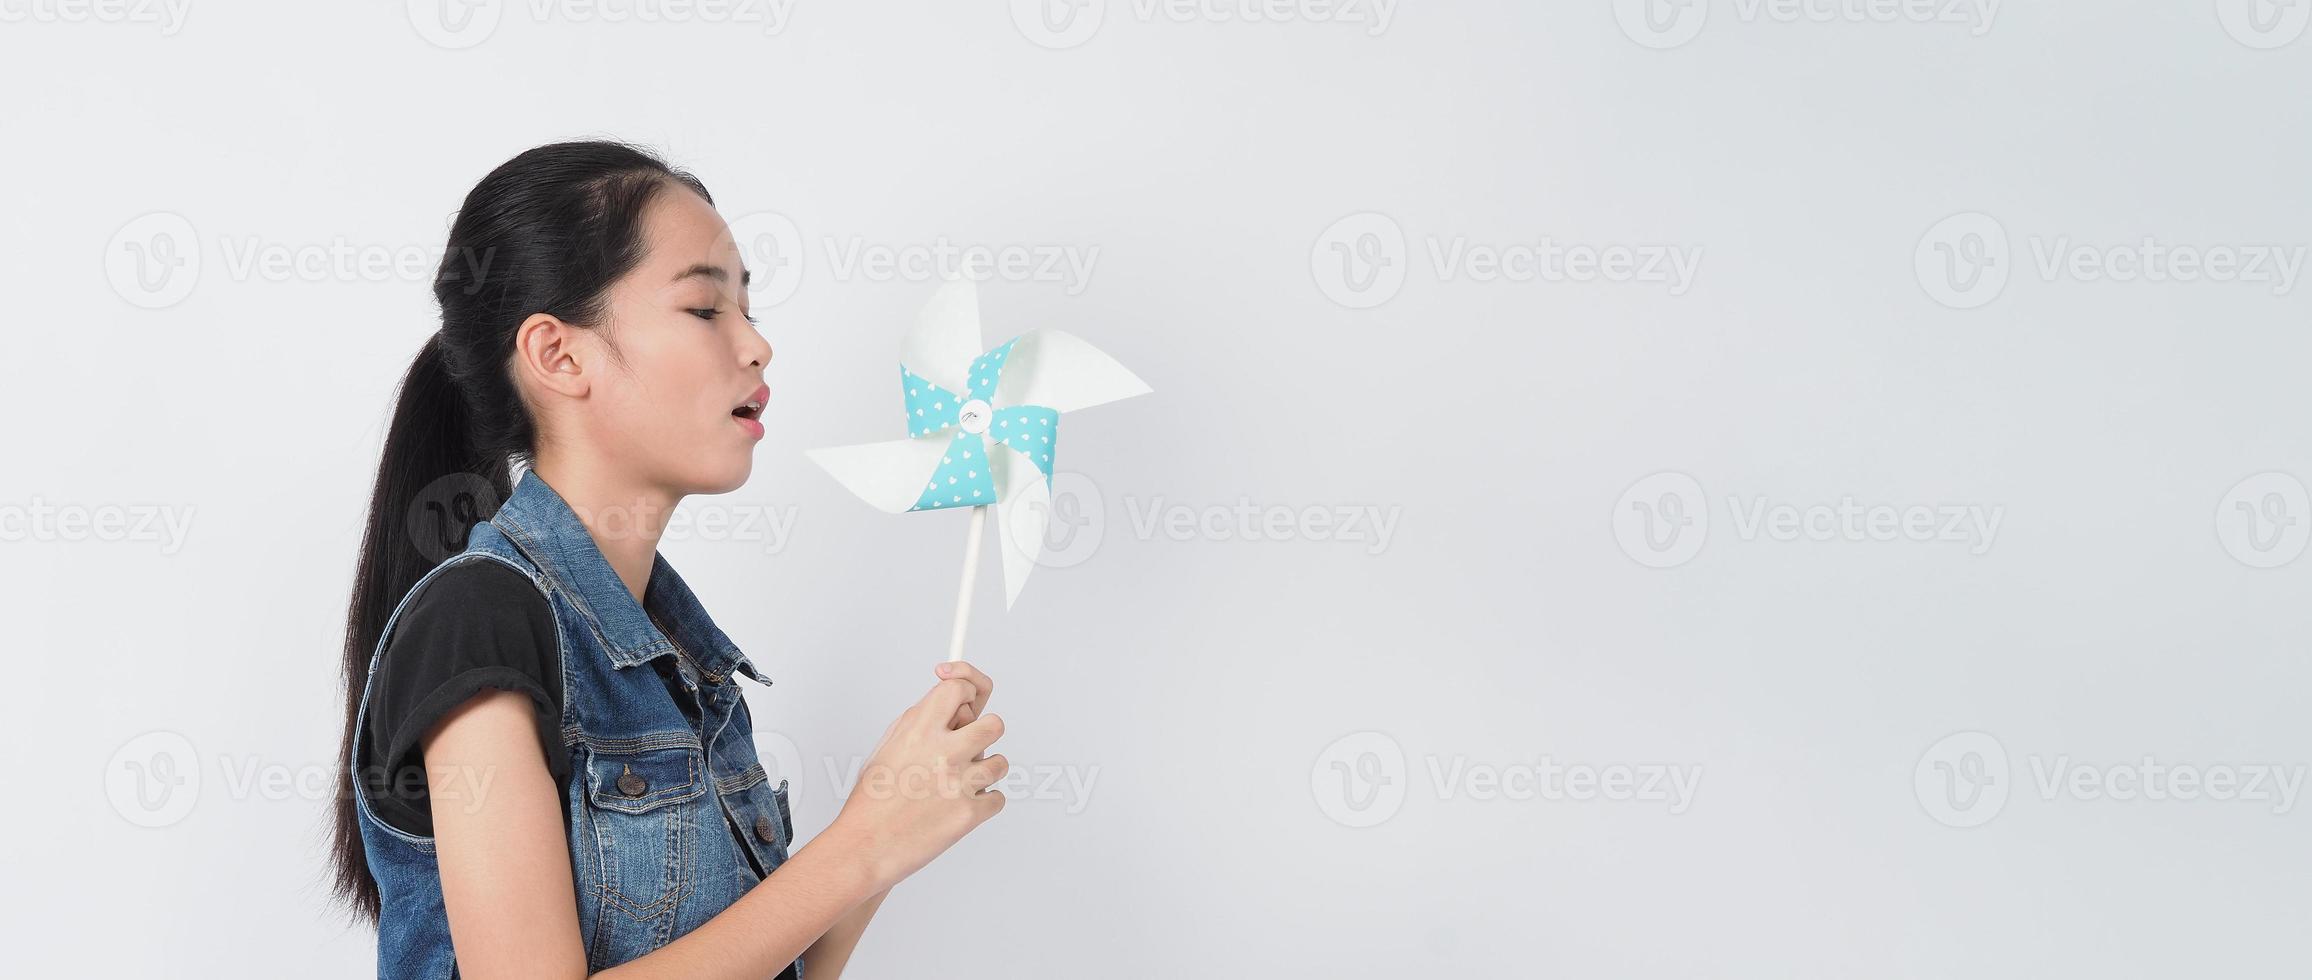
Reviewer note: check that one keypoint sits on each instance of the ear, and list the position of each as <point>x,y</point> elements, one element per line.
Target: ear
<point>553,355</point>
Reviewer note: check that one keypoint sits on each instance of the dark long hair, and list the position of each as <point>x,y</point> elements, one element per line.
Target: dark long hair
<point>546,232</point>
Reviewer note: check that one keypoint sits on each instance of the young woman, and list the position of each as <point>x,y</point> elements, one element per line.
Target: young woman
<point>549,766</point>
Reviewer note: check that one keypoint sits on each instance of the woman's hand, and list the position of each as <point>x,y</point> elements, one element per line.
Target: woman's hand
<point>927,783</point>
<point>983,688</point>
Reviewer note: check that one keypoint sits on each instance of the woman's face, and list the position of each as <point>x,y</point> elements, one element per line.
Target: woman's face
<point>680,406</point>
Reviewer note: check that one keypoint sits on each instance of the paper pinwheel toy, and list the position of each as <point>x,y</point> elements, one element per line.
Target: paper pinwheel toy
<point>982,430</point>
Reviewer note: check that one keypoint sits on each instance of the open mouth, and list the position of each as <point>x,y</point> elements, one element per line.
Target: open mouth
<point>752,409</point>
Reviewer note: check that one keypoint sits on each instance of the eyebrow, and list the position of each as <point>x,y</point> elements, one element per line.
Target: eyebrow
<point>714,272</point>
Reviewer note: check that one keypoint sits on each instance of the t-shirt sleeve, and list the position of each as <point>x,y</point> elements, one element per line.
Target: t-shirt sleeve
<point>480,625</point>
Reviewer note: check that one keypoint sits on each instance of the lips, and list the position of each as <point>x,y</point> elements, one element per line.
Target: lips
<point>752,408</point>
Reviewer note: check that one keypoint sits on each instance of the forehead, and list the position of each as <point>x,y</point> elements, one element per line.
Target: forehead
<point>683,230</point>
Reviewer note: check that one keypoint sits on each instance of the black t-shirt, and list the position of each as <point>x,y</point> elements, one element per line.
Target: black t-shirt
<point>477,625</point>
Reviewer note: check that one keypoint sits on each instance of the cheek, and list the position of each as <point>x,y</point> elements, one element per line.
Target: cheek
<point>653,407</point>
<point>679,398</point>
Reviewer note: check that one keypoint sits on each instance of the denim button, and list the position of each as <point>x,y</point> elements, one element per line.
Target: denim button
<point>631,784</point>
<point>765,831</point>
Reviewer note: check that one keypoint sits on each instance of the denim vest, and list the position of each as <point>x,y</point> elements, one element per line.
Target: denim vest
<point>670,816</point>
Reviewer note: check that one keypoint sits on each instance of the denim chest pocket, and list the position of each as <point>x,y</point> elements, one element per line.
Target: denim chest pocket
<point>766,820</point>
<point>642,806</point>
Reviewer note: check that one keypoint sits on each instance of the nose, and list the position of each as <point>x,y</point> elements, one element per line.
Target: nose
<point>756,350</point>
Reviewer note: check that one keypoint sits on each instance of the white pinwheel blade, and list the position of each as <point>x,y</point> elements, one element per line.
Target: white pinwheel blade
<point>1060,372</point>
<point>888,475</point>
<point>1021,521</point>
<point>945,337</point>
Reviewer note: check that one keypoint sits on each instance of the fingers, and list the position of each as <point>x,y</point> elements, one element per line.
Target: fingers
<point>986,772</point>
<point>983,732</point>
<point>984,688</point>
<point>946,696</point>
<point>988,804</point>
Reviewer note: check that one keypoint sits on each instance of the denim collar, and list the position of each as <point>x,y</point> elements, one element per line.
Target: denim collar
<point>536,518</point>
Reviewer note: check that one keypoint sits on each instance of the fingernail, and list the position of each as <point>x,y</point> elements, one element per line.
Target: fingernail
<point>946,669</point>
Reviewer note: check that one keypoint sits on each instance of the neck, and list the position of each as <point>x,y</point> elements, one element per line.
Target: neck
<point>624,518</point>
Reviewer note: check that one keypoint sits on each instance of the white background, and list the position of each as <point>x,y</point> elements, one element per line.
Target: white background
<point>1836,340</point>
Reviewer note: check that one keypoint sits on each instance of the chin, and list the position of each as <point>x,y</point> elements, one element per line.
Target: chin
<point>726,480</point>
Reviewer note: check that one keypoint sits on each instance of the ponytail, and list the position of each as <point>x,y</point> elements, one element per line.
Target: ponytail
<point>427,482</point>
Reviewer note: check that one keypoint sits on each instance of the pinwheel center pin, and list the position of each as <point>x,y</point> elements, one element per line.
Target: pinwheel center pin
<point>973,416</point>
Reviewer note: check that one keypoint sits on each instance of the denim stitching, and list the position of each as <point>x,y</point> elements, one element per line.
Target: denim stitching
<point>425,844</point>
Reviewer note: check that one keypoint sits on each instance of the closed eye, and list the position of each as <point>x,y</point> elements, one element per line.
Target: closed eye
<point>710,314</point>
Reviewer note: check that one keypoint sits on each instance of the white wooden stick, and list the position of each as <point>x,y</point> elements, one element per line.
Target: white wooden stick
<point>970,576</point>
